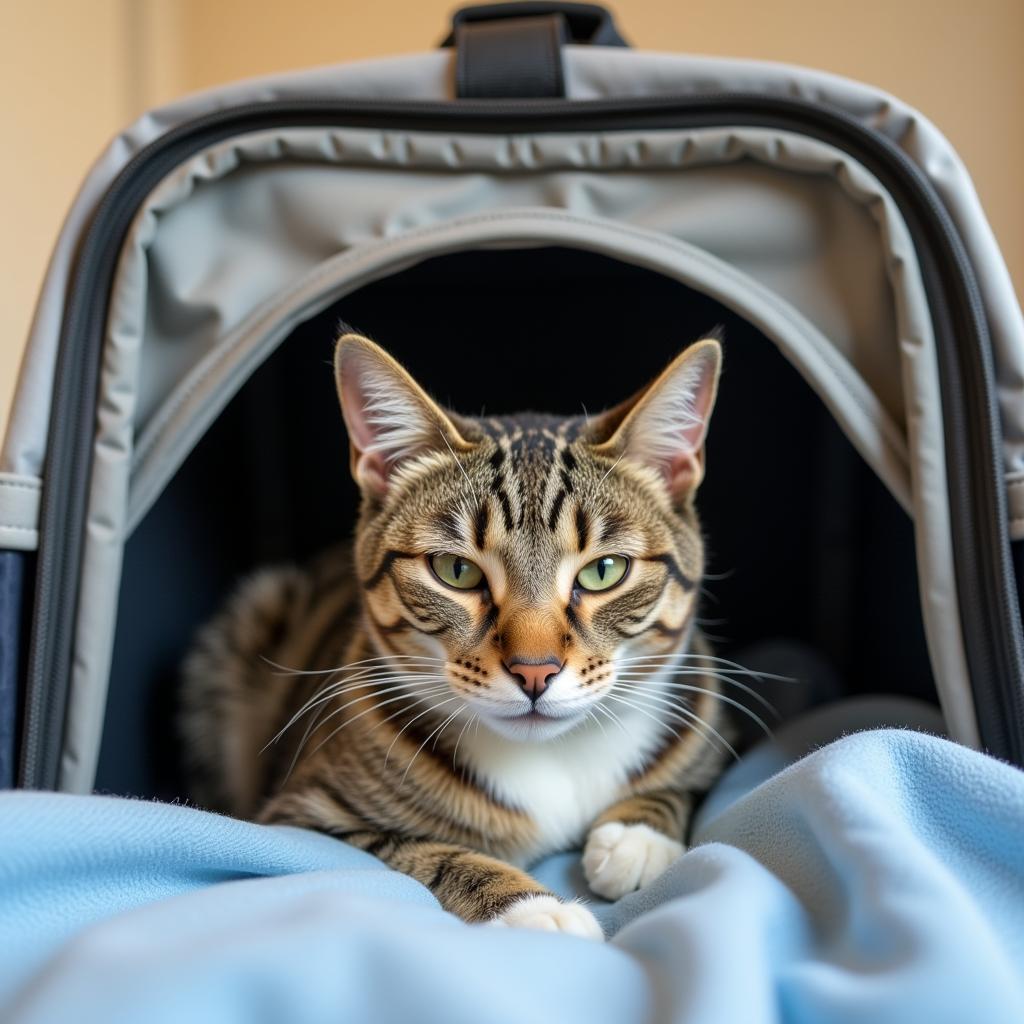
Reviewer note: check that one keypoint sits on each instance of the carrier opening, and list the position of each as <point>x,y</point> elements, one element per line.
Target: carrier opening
<point>806,546</point>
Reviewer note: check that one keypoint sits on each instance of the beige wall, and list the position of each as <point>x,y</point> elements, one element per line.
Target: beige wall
<point>74,71</point>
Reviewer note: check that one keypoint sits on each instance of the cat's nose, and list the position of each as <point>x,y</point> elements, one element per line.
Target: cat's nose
<point>535,678</point>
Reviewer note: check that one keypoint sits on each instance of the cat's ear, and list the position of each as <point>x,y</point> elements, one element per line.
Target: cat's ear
<point>390,418</point>
<point>665,425</point>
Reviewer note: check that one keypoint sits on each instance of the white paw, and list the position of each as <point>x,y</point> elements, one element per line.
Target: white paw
<point>620,858</point>
<point>550,914</point>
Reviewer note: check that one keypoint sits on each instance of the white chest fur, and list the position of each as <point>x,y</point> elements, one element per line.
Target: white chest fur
<point>565,783</point>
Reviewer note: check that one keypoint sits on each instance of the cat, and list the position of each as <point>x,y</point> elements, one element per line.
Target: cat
<point>504,664</point>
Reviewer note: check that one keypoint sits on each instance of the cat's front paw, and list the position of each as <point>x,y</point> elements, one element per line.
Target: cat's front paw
<point>550,914</point>
<point>620,858</point>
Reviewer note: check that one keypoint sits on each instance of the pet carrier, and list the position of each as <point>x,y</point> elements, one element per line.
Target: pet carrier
<point>533,214</point>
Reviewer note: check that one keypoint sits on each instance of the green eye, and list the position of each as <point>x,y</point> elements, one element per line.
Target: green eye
<point>457,571</point>
<point>603,572</point>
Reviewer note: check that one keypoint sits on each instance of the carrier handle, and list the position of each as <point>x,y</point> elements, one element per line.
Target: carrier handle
<point>514,50</point>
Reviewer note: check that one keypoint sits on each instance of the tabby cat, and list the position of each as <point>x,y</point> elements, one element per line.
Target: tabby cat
<point>505,665</point>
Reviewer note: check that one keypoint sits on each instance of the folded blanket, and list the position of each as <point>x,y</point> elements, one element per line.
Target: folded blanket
<point>879,878</point>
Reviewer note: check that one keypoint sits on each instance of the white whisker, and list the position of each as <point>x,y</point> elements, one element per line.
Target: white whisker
<point>661,681</point>
<point>683,714</point>
<point>455,752</point>
<point>316,721</point>
<point>424,695</point>
<point>402,710</point>
<point>590,716</point>
<point>732,666</point>
<point>614,717</point>
<point>436,734</point>
<point>698,689</point>
<point>315,724</point>
<point>354,664</point>
<point>636,707</point>
<point>367,678</point>
<point>610,468</point>
<point>456,458</point>
<point>416,718</point>
<point>325,696</point>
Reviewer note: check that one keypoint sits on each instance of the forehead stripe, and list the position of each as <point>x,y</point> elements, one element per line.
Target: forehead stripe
<point>448,523</point>
<point>556,509</point>
<point>483,516</point>
<point>506,505</point>
<point>582,528</point>
<point>613,524</point>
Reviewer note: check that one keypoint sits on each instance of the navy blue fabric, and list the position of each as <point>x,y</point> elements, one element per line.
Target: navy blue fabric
<point>12,579</point>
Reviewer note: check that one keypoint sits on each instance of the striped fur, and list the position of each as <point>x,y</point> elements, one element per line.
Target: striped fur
<point>363,697</point>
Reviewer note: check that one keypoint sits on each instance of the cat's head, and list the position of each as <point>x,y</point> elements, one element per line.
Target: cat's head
<point>529,555</point>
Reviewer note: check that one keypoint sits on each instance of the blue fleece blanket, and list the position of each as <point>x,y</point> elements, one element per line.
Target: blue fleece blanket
<point>879,878</point>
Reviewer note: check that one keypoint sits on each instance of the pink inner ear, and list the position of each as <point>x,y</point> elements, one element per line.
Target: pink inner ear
<point>683,472</point>
<point>370,468</point>
<point>353,404</point>
<point>668,433</point>
<point>686,469</point>
<point>702,397</point>
<point>371,472</point>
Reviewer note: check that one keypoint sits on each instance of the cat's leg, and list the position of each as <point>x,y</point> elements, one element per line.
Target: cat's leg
<point>635,840</point>
<point>476,887</point>
<point>469,884</point>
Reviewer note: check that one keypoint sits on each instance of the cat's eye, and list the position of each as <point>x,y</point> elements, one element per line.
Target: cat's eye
<point>457,571</point>
<point>603,572</point>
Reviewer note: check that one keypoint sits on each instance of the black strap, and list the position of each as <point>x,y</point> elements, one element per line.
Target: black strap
<point>512,59</point>
<point>514,51</point>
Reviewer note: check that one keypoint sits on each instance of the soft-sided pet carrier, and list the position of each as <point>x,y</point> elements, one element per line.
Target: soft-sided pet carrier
<point>533,215</point>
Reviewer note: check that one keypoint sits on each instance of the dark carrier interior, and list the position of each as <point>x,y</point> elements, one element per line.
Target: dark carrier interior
<point>806,546</point>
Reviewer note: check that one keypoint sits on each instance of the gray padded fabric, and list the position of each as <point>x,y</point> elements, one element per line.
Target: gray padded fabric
<point>251,237</point>
<point>264,210</point>
<point>799,238</point>
<point>19,511</point>
<point>592,73</point>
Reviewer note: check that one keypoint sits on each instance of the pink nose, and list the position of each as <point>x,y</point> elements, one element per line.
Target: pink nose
<point>535,679</point>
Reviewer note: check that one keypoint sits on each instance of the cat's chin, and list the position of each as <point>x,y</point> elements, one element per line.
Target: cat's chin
<point>532,727</point>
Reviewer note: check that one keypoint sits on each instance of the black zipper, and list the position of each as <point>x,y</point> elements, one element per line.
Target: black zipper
<point>987,594</point>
